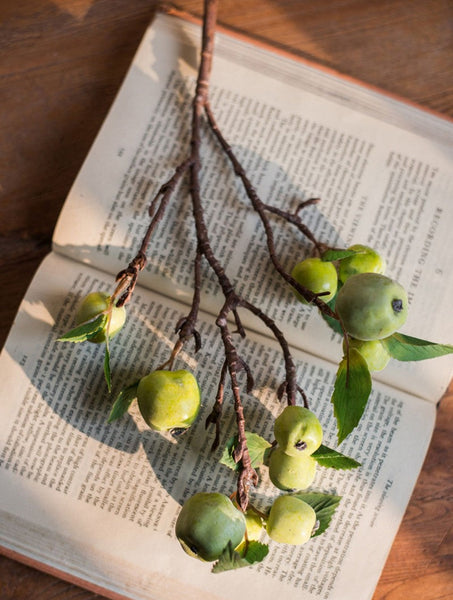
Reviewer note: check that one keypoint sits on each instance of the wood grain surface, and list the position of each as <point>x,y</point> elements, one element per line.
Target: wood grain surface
<point>61,63</point>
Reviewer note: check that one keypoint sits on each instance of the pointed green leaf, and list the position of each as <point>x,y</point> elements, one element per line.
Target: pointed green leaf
<point>407,348</point>
<point>107,373</point>
<point>256,445</point>
<point>256,552</point>
<point>230,559</point>
<point>123,401</point>
<point>327,457</point>
<point>337,254</point>
<point>351,392</point>
<point>324,506</point>
<point>227,455</point>
<point>85,331</point>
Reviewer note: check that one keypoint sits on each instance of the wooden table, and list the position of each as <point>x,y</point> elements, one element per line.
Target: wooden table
<point>61,63</point>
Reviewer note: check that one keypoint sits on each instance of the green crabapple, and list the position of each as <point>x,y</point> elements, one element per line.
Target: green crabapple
<point>169,400</point>
<point>318,276</point>
<point>366,261</point>
<point>254,528</point>
<point>297,430</point>
<point>253,522</point>
<point>92,306</point>
<point>371,306</point>
<point>373,351</point>
<point>291,520</point>
<point>207,523</point>
<point>291,473</point>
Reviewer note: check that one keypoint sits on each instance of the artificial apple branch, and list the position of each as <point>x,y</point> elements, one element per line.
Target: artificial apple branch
<point>186,327</point>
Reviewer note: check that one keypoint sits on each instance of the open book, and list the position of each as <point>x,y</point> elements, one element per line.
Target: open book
<point>96,502</point>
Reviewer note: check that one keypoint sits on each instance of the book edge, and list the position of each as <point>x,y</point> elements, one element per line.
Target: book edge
<point>64,575</point>
<point>228,31</point>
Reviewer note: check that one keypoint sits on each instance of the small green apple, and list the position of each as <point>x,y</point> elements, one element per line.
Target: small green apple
<point>253,522</point>
<point>297,430</point>
<point>93,305</point>
<point>169,400</point>
<point>291,473</point>
<point>318,276</point>
<point>291,520</point>
<point>371,306</point>
<point>373,351</point>
<point>254,528</point>
<point>208,521</point>
<point>366,261</point>
<point>254,525</point>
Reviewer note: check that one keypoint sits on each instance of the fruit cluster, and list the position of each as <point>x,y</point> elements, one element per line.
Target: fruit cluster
<point>369,308</point>
<point>298,434</point>
<point>168,400</point>
<point>209,522</point>
<point>370,305</point>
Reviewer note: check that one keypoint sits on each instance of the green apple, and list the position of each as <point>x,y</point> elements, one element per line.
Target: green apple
<point>373,351</point>
<point>254,525</point>
<point>297,430</point>
<point>253,522</point>
<point>371,306</point>
<point>366,261</point>
<point>318,276</point>
<point>254,529</point>
<point>93,305</point>
<point>208,521</point>
<point>291,520</point>
<point>169,400</point>
<point>291,473</point>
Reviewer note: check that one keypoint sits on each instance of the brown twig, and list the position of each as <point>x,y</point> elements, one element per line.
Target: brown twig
<point>294,219</point>
<point>127,278</point>
<point>260,208</point>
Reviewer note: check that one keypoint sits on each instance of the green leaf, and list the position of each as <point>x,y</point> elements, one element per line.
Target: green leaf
<point>327,457</point>
<point>336,254</point>
<point>324,506</point>
<point>107,372</point>
<point>230,559</point>
<point>407,348</point>
<point>351,392</point>
<point>85,331</point>
<point>256,445</point>
<point>256,551</point>
<point>332,323</point>
<point>123,401</point>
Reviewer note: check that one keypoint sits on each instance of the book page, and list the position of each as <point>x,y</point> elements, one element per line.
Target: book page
<point>380,184</point>
<point>99,501</point>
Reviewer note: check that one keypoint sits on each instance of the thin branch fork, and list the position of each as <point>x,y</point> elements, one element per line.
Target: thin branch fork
<point>260,208</point>
<point>127,278</point>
